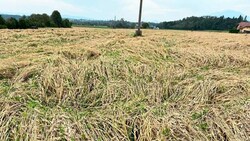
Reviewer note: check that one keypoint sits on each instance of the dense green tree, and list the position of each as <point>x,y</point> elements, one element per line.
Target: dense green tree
<point>57,18</point>
<point>46,20</point>
<point>2,21</point>
<point>40,20</point>
<point>245,19</point>
<point>23,23</point>
<point>240,19</point>
<point>3,26</point>
<point>35,21</point>
<point>12,23</point>
<point>145,25</point>
<point>122,23</point>
<point>203,23</point>
<point>67,23</point>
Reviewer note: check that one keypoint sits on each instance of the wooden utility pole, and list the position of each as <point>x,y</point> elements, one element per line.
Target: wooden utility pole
<point>138,31</point>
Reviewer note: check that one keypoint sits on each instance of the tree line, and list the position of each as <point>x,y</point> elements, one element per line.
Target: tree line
<point>55,20</point>
<point>203,23</point>
<point>189,23</point>
<point>122,23</point>
<point>101,23</point>
<point>35,21</point>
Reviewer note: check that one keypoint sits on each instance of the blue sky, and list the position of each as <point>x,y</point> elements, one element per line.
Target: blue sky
<point>153,10</point>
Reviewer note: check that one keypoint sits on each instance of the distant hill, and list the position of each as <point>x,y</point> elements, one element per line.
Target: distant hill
<point>7,16</point>
<point>76,17</point>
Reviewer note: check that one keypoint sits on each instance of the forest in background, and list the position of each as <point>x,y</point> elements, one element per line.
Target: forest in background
<point>189,23</point>
<point>34,21</point>
<point>56,20</point>
<point>203,23</point>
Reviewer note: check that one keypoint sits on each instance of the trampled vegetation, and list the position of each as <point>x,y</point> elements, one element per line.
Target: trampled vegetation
<point>104,84</point>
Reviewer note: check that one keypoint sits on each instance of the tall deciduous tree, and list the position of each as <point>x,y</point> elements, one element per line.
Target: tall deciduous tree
<point>145,25</point>
<point>23,23</point>
<point>240,19</point>
<point>245,19</point>
<point>67,23</point>
<point>40,20</point>
<point>12,23</point>
<point>57,18</point>
<point>2,21</point>
<point>46,20</point>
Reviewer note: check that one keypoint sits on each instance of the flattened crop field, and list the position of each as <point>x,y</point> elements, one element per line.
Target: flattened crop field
<point>105,84</point>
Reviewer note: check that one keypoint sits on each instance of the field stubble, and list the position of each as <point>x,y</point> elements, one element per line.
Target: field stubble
<point>103,84</point>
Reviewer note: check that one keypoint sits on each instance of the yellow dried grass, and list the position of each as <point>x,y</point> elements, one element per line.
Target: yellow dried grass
<point>104,84</point>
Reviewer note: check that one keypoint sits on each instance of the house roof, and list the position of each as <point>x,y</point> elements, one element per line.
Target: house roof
<point>243,25</point>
